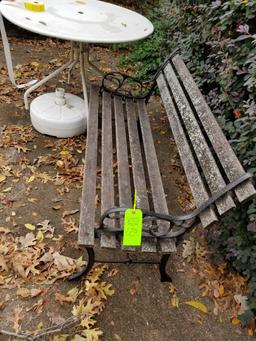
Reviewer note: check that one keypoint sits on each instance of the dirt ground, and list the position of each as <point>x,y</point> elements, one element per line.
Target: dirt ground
<point>141,308</point>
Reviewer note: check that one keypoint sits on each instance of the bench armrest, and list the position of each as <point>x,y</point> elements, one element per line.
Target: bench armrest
<point>120,84</point>
<point>183,221</point>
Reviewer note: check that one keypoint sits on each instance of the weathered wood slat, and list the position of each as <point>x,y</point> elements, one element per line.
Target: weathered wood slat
<point>194,179</point>
<point>225,153</point>
<point>157,189</point>
<point>107,183</point>
<point>148,244</point>
<point>208,165</point>
<point>124,184</point>
<point>87,211</point>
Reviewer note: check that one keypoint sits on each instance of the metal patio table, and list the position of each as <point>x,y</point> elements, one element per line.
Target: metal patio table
<point>81,23</point>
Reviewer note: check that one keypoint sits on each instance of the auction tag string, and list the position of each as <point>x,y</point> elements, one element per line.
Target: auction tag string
<point>132,225</point>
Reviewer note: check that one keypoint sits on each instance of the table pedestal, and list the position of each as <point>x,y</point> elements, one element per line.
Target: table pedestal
<point>58,114</point>
<point>69,118</point>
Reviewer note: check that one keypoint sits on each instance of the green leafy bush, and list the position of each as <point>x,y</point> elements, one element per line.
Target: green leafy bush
<point>148,54</point>
<point>218,43</point>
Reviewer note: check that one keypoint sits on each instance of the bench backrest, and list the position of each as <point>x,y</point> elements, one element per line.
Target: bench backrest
<point>207,157</point>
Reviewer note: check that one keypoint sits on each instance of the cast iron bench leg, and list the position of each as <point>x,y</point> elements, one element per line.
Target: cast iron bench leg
<point>162,267</point>
<point>91,258</point>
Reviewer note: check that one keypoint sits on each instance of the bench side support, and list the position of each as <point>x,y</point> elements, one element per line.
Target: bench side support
<point>164,277</point>
<point>87,269</point>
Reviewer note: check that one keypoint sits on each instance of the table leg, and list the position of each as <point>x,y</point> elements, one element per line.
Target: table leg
<point>84,48</point>
<point>70,64</point>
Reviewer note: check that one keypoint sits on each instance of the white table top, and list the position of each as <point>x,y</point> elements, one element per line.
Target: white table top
<point>91,22</point>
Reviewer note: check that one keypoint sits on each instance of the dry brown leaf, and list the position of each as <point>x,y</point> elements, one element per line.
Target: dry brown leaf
<point>198,305</point>
<point>243,302</point>
<point>172,288</point>
<point>37,307</point>
<point>30,227</point>
<point>3,264</point>
<point>87,322</point>
<point>63,298</point>
<point>235,321</point>
<point>92,334</point>
<point>113,272</point>
<point>175,301</point>
<point>23,292</point>
<point>28,240</point>
<point>71,212</point>
<point>16,318</point>
<point>19,269</point>
<point>133,291</point>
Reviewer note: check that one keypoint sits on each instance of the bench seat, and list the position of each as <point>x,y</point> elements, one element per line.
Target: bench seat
<point>120,134</point>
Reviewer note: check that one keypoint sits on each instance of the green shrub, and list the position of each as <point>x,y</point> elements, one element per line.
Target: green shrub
<point>148,54</point>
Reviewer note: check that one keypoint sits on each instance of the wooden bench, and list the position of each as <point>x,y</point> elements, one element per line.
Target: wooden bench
<point>120,136</point>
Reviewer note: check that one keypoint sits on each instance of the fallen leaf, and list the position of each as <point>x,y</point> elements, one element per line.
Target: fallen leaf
<point>35,292</point>
<point>23,292</point>
<point>175,301</point>
<point>37,307</point>
<point>87,322</point>
<point>4,230</point>
<point>30,179</point>
<point>242,300</point>
<point>92,334</point>
<point>113,272</point>
<point>172,288</point>
<point>235,321</point>
<point>28,240</point>
<point>63,298</point>
<point>40,236</point>
<point>66,213</point>
<point>19,269</point>
<point>7,190</point>
<point>198,305</point>
<point>221,290</point>
<point>250,332</point>
<point>79,338</point>
<point>3,264</point>
<point>30,227</point>
<point>189,248</point>
<point>2,178</point>
<point>133,291</point>
<point>16,318</point>
<point>56,207</point>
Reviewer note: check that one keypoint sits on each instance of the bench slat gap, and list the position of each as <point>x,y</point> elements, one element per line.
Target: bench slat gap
<point>158,194</point>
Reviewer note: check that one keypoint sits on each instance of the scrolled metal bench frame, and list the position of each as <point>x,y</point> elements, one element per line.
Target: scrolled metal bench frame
<point>183,223</point>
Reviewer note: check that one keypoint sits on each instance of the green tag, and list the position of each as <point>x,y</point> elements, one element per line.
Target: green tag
<point>132,227</point>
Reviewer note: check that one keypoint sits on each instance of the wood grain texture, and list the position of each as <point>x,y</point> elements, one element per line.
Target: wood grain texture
<point>203,153</point>
<point>107,182</point>
<point>139,180</point>
<point>87,211</point>
<point>195,181</point>
<point>225,153</point>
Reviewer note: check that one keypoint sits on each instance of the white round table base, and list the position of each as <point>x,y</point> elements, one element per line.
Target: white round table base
<point>61,120</point>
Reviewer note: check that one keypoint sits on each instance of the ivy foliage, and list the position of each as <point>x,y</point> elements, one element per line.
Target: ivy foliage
<point>218,43</point>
